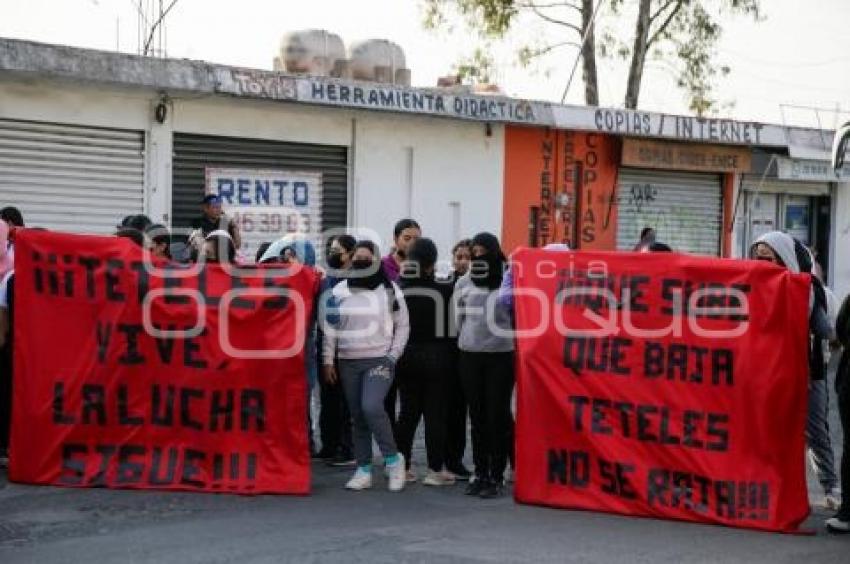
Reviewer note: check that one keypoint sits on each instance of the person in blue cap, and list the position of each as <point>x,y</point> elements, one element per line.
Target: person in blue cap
<point>213,218</point>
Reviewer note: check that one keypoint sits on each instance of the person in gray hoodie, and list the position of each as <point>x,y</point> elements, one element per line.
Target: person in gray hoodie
<point>782,250</point>
<point>368,338</point>
<point>486,344</point>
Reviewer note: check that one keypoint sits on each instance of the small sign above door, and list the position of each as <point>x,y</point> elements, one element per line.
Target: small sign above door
<point>685,156</point>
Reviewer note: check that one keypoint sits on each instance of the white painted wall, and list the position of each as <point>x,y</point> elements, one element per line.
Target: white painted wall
<point>258,119</point>
<point>402,166</point>
<point>446,174</point>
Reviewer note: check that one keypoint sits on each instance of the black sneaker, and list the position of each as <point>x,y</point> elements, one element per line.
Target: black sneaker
<point>324,454</point>
<point>492,490</point>
<point>475,487</point>
<point>342,459</point>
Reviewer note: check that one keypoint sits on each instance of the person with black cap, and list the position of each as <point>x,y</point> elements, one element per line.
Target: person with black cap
<point>424,368</point>
<point>213,218</point>
<point>139,221</point>
<point>486,363</point>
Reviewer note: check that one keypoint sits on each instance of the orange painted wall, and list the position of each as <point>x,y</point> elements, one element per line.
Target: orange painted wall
<point>540,165</point>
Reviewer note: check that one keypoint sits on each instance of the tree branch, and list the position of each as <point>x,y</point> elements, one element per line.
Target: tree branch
<point>157,24</point>
<point>663,27</point>
<point>552,20</point>
<point>549,48</point>
<point>662,9</point>
<point>531,4</point>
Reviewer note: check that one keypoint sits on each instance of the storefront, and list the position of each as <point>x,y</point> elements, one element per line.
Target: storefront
<point>71,177</point>
<point>272,187</point>
<point>681,190</point>
<point>559,187</point>
<point>792,195</point>
<point>87,137</point>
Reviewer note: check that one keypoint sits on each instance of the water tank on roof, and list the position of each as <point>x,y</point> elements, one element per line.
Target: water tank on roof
<point>313,51</point>
<point>379,60</point>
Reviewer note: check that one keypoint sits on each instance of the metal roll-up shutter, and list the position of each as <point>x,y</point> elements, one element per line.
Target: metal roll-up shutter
<point>685,209</point>
<point>69,177</point>
<point>755,183</point>
<point>193,153</point>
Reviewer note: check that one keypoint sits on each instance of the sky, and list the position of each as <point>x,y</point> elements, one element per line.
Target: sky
<point>797,59</point>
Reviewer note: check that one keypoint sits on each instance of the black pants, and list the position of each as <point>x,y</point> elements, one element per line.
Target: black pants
<point>421,374</point>
<point>842,387</point>
<point>455,415</point>
<point>334,419</point>
<point>488,381</point>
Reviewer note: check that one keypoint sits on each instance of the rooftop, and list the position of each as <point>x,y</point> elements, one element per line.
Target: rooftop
<point>63,63</point>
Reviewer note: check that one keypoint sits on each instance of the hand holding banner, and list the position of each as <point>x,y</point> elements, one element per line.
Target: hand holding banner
<point>662,385</point>
<point>130,373</point>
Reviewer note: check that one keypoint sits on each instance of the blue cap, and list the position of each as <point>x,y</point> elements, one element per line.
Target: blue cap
<point>211,199</point>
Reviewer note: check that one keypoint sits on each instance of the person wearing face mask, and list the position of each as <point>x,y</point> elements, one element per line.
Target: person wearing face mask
<point>425,366</point>
<point>486,363</point>
<point>456,411</point>
<point>361,351</point>
<point>334,416</point>
<point>782,250</point>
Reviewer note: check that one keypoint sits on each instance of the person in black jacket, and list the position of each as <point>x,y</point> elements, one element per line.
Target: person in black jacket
<point>456,408</point>
<point>426,364</point>
<point>821,454</point>
<point>841,522</point>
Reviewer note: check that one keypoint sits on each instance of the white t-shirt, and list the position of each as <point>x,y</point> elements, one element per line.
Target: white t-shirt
<point>4,290</point>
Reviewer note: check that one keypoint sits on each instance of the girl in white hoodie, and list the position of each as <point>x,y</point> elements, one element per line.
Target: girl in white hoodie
<point>367,339</point>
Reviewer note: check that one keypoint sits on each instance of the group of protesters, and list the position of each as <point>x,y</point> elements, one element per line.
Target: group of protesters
<point>396,340</point>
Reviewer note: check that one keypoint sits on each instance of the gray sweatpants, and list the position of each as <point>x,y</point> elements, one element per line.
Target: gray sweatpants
<point>366,383</point>
<point>821,455</point>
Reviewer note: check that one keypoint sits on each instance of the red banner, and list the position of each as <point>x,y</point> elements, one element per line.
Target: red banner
<point>135,374</point>
<point>662,385</point>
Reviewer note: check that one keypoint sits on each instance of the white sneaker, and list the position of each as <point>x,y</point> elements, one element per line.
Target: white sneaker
<point>438,479</point>
<point>362,480</point>
<point>836,525</point>
<point>410,476</point>
<point>397,474</point>
<point>832,499</point>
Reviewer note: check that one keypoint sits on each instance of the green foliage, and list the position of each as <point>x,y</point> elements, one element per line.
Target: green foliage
<point>476,69</point>
<point>490,18</point>
<point>682,33</point>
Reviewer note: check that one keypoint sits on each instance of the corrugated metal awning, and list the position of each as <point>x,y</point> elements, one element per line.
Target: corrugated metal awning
<point>69,177</point>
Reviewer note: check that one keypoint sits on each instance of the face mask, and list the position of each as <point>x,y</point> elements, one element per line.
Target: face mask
<point>335,260</point>
<point>361,264</point>
<point>486,271</point>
